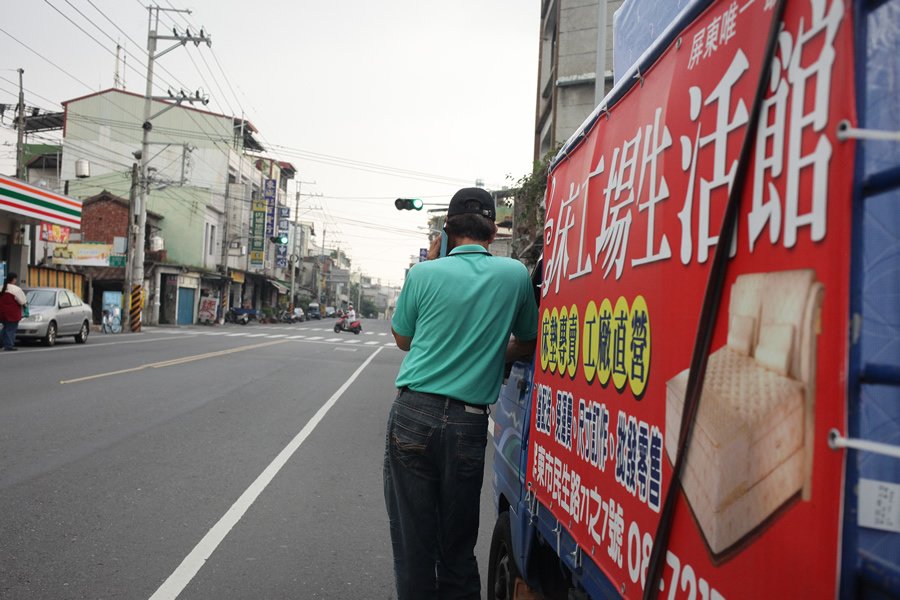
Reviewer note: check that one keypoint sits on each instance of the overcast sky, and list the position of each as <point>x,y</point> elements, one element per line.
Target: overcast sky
<point>349,92</point>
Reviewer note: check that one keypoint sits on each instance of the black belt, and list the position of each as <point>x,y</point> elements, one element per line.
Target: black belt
<point>480,408</point>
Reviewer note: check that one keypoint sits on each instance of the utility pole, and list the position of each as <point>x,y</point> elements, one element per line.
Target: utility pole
<point>297,234</point>
<point>226,240</point>
<point>131,234</point>
<point>136,305</point>
<point>321,268</point>
<point>600,67</point>
<point>20,127</point>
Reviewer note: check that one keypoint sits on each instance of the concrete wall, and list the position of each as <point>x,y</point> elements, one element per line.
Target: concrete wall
<point>568,71</point>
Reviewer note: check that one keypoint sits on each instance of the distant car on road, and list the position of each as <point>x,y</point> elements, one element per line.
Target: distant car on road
<point>330,313</point>
<point>313,312</point>
<point>54,312</point>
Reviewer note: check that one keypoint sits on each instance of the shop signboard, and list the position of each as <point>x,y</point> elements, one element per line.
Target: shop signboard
<point>24,199</point>
<point>209,306</point>
<point>257,232</point>
<point>284,224</point>
<point>86,255</point>
<point>51,232</point>
<point>632,223</point>
<point>270,187</point>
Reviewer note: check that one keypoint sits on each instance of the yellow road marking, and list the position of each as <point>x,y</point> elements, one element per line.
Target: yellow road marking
<point>173,362</point>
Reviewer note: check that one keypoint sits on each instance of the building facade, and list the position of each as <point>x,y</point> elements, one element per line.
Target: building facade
<point>204,180</point>
<point>576,42</point>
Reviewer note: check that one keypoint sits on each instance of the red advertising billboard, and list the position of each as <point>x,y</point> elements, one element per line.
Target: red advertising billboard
<point>632,219</point>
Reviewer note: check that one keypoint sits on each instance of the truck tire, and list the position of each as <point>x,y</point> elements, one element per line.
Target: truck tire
<point>502,569</point>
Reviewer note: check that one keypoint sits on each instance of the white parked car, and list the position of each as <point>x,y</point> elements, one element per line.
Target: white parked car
<point>54,312</point>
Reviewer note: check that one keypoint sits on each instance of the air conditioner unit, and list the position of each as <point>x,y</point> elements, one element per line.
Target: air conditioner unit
<point>156,244</point>
<point>243,250</point>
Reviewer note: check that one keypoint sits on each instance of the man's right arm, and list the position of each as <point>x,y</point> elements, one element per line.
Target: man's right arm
<point>517,349</point>
<point>403,342</point>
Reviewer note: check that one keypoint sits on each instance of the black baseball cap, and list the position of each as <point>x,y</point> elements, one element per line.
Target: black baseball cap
<point>472,200</point>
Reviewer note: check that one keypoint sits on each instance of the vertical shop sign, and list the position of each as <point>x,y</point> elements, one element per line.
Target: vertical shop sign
<point>284,224</point>
<point>270,188</point>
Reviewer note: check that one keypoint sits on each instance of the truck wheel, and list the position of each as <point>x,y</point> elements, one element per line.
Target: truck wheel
<point>502,569</point>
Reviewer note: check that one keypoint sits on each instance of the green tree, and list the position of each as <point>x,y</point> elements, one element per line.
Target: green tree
<point>528,211</point>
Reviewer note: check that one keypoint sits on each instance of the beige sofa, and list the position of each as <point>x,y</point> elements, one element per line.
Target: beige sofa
<point>752,445</point>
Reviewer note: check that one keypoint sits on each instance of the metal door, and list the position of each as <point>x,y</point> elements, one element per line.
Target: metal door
<point>185,306</point>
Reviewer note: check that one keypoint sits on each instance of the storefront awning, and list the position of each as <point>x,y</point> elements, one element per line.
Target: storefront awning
<point>281,289</point>
<point>33,202</point>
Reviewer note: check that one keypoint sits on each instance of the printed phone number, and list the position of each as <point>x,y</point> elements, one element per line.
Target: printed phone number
<point>604,520</point>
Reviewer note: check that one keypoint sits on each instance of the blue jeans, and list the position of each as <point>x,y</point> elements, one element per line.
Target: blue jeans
<point>433,470</point>
<point>8,335</point>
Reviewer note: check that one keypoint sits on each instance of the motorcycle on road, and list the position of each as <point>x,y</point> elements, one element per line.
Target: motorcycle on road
<point>343,324</point>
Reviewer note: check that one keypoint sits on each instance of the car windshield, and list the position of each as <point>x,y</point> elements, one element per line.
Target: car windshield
<point>41,298</point>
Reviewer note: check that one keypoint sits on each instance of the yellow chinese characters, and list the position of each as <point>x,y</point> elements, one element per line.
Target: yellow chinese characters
<point>608,342</point>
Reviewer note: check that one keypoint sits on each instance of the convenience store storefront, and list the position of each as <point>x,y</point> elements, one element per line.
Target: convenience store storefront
<point>23,205</point>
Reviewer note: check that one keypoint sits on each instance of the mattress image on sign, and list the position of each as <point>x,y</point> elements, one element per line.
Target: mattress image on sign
<point>751,449</point>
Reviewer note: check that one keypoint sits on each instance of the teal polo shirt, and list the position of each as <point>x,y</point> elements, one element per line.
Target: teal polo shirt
<point>459,311</point>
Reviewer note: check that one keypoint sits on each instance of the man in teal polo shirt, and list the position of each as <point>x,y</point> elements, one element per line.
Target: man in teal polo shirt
<point>454,316</point>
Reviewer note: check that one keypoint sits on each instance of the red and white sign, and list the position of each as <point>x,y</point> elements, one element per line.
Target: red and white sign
<point>57,234</point>
<point>631,227</point>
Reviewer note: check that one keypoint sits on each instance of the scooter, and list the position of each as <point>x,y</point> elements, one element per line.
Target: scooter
<point>288,317</point>
<point>343,325</point>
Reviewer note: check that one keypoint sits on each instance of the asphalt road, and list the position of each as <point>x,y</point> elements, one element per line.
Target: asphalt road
<point>202,462</point>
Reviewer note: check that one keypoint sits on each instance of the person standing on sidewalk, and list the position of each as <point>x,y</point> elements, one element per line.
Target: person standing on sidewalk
<point>12,299</point>
<point>454,316</point>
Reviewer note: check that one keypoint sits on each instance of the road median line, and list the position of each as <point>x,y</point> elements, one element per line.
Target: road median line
<point>172,362</point>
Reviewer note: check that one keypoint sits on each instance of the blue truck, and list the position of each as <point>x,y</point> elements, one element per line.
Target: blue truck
<point>823,518</point>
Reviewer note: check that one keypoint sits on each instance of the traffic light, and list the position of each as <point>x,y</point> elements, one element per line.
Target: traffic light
<point>281,238</point>
<point>408,203</point>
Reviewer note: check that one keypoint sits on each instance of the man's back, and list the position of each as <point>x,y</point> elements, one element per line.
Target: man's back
<point>460,310</point>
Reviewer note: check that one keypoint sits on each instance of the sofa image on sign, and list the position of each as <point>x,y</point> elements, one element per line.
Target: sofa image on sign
<point>751,449</point>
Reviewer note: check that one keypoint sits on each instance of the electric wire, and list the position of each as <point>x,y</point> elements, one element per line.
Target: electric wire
<point>337,161</point>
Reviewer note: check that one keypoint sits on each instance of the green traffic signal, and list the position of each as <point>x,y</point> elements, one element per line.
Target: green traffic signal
<point>408,203</point>
<point>279,239</point>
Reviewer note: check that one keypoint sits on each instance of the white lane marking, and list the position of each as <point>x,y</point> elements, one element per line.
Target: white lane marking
<point>339,349</point>
<point>296,337</point>
<point>371,343</point>
<point>382,333</point>
<point>194,561</point>
<point>317,337</point>
<point>368,333</point>
<point>89,345</point>
<point>333,340</point>
<point>351,342</point>
<point>256,334</point>
<point>388,345</point>
<point>236,334</point>
<point>277,335</point>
